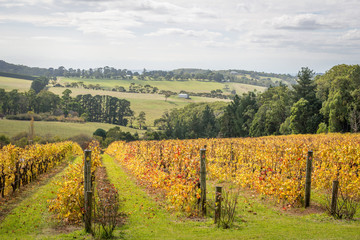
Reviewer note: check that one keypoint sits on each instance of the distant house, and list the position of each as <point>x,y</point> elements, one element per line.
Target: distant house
<point>184,95</point>
<point>234,73</point>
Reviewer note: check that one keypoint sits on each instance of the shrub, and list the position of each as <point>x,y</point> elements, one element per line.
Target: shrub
<point>346,206</point>
<point>4,140</point>
<point>100,132</point>
<point>82,139</point>
<point>322,128</point>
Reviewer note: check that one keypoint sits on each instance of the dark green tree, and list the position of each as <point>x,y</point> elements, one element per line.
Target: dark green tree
<point>100,132</point>
<point>39,84</point>
<point>47,102</point>
<point>274,108</point>
<point>141,119</point>
<point>305,87</point>
<point>239,115</point>
<point>310,108</point>
<point>209,128</point>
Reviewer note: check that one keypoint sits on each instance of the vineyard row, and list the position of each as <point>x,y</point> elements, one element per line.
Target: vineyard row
<point>273,166</point>
<point>20,166</point>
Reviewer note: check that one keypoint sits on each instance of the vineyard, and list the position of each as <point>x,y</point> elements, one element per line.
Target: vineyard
<point>272,166</point>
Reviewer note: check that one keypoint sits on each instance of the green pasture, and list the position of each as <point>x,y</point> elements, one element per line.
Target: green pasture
<point>14,83</point>
<point>61,129</point>
<point>175,86</point>
<point>154,105</point>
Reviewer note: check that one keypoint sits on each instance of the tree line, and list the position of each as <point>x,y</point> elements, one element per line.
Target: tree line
<point>248,77</point>
<point>97,108</point>
<point>325,103</point>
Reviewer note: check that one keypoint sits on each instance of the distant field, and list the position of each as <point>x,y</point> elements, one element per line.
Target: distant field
<point>272,79</point>
<point>63,130</point>
<point>175,86</point>
<point>14,83</point>
<point>154,105</point>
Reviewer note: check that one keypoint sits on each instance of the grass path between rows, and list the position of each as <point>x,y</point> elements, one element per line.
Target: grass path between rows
<point>148,220</point>
<point>30,219</point>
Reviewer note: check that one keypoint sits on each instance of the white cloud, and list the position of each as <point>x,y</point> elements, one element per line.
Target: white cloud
<point>143,29</point>
<point>183,32</point>
<point>59,39</point>
<point>353,34</point>
<point>110,23</point>
<point>23,3</point>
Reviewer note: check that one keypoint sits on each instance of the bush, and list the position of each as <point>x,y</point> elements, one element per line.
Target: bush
<point>322,128</point>
<point>4,140</point>
<point>24,116</point>
<point>346,206</point>
<point>82,139</point>
<point>19,136</point>
<point>100,132</point>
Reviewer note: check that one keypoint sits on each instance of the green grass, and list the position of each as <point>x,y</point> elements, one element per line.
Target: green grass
<point>14,83</point>
<point>154,105</point>
<point>61,129</point>
<point>148,220</point>
<point>175,86</point>
<point>31,219</point>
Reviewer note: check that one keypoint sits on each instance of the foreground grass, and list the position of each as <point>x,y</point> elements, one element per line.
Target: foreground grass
<point>148,220</point>
<point>31,219</point>
<point>61,129</point>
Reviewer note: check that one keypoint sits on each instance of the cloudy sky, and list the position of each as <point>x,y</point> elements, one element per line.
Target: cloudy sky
<point>278,36</point>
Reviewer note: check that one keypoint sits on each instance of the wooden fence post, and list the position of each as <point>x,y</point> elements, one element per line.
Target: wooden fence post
<point>334,197</point>
<point>218,192</point>
<point>203,181</point>
<point>17,178</point>
<point>87,190</point>
<point>308,178</point>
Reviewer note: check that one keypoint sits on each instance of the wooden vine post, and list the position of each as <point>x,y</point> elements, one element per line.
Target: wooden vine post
<point>334,197</point>
<point>87,190</point>
<point>308,178</point>
<point>218,192</point>
<point>203,181</point>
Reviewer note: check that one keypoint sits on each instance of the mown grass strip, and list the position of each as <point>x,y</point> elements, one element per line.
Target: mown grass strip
<point>148,220</point>
<point>31,219</point>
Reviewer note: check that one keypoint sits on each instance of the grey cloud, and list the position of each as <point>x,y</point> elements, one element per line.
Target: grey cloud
<point>300,22</point>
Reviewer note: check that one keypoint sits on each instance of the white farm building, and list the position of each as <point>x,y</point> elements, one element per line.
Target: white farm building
<point>184,95</point>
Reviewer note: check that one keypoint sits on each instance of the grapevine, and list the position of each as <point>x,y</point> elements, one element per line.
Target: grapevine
<point>69,202</point>
<point>20,166</point>
<point>272,166</point>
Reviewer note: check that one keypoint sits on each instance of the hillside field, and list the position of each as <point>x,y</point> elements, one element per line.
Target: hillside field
<point>154,105</point>
<point>175,86</point>
<point>14,83</point>
<point>61,129</point>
